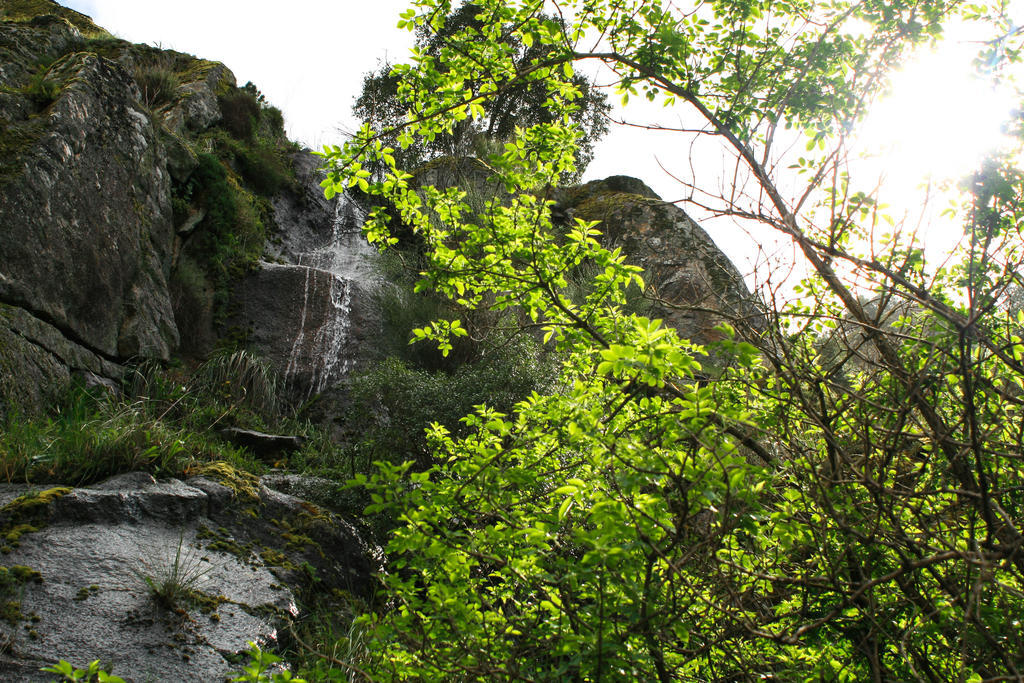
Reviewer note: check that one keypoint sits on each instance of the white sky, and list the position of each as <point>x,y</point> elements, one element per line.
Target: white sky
<point>309,56</point>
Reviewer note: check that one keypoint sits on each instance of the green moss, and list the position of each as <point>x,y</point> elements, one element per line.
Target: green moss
<point>13,535</point>
<point>275,558</point>
<point>27,10</point>
<point>602,206</point>
<point>30,503</point>
<point>86,592</point>
<point>12,582</point>
<point>26,514</point>
<point>207,603</point>
<point>16,138</point>
<point>244,485</point>
<point>221,540</point>
<point>106,46</point>
<point>199,69</point>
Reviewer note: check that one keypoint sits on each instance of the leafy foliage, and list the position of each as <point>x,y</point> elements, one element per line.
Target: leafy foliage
<point>94,673</point>
<point>842,515</point>
<point>522,103</point>
<point>261,668</point>
<point>229,239</point>
<point>394,401</point>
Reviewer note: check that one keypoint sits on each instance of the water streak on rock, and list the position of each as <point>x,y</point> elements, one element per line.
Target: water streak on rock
<point>321,343</point>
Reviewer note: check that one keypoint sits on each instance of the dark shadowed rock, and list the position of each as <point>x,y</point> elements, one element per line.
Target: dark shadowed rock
<point>36,360</point>
<point>264,446</point>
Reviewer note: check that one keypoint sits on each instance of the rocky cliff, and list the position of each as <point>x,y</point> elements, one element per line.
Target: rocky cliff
<point>139,187</point>
<point>151,207</point>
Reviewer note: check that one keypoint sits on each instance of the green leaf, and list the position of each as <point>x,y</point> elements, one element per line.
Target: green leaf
<point>564,508</point>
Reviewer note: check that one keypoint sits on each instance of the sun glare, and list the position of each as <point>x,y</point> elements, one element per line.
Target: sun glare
<point>940,119</point>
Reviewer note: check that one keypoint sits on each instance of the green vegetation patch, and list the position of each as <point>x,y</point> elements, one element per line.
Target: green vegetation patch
<point>86,592</point>
<point>16,139</point>
<point>27,10</point>
<point>12,582</point>
<point>26,514</point>
<point>244,484</point>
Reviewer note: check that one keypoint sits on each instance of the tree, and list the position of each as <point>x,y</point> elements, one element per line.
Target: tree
<point>522,104</point>
<point>833,505</point>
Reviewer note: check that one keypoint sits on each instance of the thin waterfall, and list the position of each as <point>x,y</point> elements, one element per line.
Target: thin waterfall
<point>320,349</point>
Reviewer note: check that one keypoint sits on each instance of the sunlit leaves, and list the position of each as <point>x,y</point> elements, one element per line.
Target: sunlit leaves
<point>835,502</point>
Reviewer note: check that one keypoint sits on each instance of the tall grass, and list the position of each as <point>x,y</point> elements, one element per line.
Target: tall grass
<point>163,422</point>
<point>94,437</point>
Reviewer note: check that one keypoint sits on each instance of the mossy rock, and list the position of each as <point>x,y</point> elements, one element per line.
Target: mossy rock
<point>572,197</point>
<point>244,485</point>
<point>27,514</point>
<point>12,581</point>
<point>29,10</point>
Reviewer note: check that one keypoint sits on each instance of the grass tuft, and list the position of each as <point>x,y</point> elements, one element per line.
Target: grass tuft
<point>174,582</point>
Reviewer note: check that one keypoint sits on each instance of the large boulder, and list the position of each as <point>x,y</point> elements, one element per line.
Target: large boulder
<point>196,107</point>
<point>162,580</point>
<point>691,284</point>
<point>87,234</point>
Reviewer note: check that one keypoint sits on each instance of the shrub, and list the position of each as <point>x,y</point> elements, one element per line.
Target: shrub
<point>230,238</point>
<point>395,402</point>
<point>158,85</point>
<point>263,168</point>
<point>192,299</point>
<point>41,90</point>
<point>161,424</point>
<point>240,112</point>
<point>156,72</point>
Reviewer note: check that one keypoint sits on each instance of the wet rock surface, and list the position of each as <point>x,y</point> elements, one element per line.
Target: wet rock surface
<point>102,553</point>
<point>312,308</point>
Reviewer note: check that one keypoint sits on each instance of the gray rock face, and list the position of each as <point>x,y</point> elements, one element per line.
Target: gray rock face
<point>87,234</point>
<point>20,48</point>
<point>36,359</point>
<point>692,284</point>
<point>313,312</point>
<point>100,551</point>
<point>196,108</point>
<point>87,242</point>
